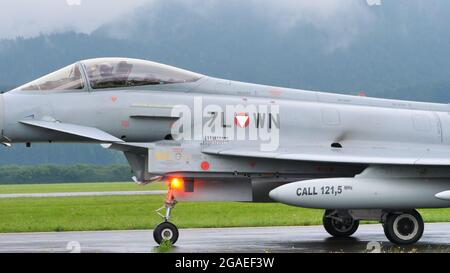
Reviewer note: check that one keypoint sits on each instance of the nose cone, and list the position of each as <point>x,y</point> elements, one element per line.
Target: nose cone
<point>276,194</point>
<point>288,194</point>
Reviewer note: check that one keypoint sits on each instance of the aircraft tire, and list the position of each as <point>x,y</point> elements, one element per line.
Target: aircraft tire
<point>165,231</point>
<point>404,228</point>
<point>341,229</point>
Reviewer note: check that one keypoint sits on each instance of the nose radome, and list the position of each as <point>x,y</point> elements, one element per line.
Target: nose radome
<point>275,194</point>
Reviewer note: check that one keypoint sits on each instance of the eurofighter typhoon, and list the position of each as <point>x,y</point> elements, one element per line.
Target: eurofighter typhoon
<point>210,139</point>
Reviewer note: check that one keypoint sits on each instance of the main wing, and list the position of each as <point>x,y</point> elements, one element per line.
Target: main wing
<point>437,155</point>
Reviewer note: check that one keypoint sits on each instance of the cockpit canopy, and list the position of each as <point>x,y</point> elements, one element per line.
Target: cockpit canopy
<point>110,73</point>
<point>117,72</point>
<point>67,78</point>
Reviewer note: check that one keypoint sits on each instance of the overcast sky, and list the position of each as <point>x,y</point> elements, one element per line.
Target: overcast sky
<point>28,18</point>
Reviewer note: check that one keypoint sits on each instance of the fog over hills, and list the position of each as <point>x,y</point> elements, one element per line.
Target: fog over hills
<point>399,49</point>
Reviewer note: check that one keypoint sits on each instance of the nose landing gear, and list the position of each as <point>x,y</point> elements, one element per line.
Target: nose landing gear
<point>166,231</point>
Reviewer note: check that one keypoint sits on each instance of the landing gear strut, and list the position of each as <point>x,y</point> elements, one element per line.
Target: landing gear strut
<point>339,224</point>
<point>166,231</point>
<point>403,228</point>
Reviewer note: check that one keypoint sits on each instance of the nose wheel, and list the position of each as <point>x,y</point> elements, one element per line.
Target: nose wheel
<point>166,231</point>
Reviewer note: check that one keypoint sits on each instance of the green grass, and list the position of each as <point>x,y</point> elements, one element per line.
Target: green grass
<point>79,187</point>
<point>164,247</point>
<point>137,212</point>
<point>435,215</point>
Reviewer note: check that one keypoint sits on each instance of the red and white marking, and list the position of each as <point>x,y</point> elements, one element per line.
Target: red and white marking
<point>242,120</point>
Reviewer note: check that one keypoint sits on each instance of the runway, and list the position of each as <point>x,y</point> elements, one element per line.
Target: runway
<point>73,194</point>
<point>264,239</point>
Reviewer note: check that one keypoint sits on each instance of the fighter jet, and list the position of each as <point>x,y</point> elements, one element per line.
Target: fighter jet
<point>210,139</point>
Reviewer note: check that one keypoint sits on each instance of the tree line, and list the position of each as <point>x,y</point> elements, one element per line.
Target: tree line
<point>15,174</point>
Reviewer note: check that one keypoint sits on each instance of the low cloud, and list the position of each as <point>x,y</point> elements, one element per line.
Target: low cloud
<point>29,18</point>
<point>339,21</point>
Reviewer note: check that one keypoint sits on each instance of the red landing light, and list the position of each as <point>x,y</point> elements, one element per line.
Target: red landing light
<point>176,183</point>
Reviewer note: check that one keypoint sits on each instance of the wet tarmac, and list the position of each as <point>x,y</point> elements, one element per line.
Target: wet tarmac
<point>255,239</point>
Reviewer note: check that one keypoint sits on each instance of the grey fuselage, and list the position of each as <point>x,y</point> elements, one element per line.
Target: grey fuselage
<point>305,116</point>
<point>306,119</point>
